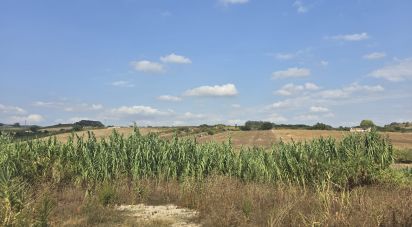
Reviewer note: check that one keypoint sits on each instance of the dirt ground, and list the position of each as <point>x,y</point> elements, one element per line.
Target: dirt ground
<point>170,214</point>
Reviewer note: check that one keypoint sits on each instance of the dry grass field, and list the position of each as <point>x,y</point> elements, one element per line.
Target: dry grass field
<point>251,138</point>
<point>266,138</point>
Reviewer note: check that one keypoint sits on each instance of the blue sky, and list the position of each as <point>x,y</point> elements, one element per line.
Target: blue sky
<point>163,62</point>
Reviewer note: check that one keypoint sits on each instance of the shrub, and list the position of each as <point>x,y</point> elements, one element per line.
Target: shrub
<point>107,195</point>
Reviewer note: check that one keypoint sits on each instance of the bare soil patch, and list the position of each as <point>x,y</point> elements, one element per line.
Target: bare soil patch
<point>170,214</point>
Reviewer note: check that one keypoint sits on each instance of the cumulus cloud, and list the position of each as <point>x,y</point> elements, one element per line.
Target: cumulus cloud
<point>288,103</point>
<point>47,104</point>
<point>319,97</point>
<point>82,107</point>
<point>307,117</point>
<point>169,98</point>
<point>233,2</point>
<point>374,55</point>
<point>11,109</point>
<point>347,91</point>
<point>400,71</point>
<point>77,119</point>
<point>191,116</point>
<point>352,37</point>
<point>324,63</point>
<point>96,107</point>
<point>318,109</point>
<point>122,83</point>
<point>174,58</point>
<point>217,90</point>
<point>300,7</point>
<point>274,117</point>
<point>291,72</point>
<point>292,89</point>
<point>313,117</point>
<point>148,66</point>
<point>284,56</point>
<point>29,119</point>
<point>137,110</point>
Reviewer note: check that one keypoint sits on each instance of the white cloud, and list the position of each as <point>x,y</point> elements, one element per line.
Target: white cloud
<point>374,55</point>
<point>77,119</point>
<point>300,7</point>
<point>311,86</point>
<point>324,63</point>
<point>169,98</point>
<point>148,66</point>
<point>318,109</point>
<point>35,118</point>
<point>313,117</point>
<point>352,37</point>
<point>47,104</point>
<point>191,116</point>
<point>96,107</point>
<point>233,2</point>
<point>400,71</point>
<point>292,89</point>
<point>122,83</point>
<point>235,105</point>
<point>174,58</point>
<point>307,117</point>
<point>137,110</point>
<point>30,119</point>
<point>291,72</point>
<point>333,93</point>
<point>284,56</point>
<point>217,90</point>
<point>288,103</point>
<point>347,91</point>
<point>235,122</point>
<point>305,99</point>
<point>69,107</point>
<point>274,117</point>
<point>11,109</point>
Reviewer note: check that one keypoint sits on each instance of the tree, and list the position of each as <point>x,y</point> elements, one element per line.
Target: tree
<point>77,128</point>
<point>266,126</point>
<point>34,128</point>
<point>367,124</point>
<point>16,124</point>
<point>89,123</point>
<point>245,127</point>
<point>321,126</point>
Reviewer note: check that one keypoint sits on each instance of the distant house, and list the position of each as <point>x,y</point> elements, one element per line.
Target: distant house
<point>357,129</point>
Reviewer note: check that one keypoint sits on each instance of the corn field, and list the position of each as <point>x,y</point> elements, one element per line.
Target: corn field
<point>87,161</point>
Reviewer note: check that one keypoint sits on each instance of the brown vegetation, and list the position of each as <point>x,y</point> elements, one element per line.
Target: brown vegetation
<point>222,201</point>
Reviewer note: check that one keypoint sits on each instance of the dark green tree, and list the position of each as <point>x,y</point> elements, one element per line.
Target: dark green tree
<point>367,124</point>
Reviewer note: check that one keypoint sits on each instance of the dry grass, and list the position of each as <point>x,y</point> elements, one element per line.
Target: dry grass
<point>222,201</point>
<point>252,138</point>
<point>266,138</point>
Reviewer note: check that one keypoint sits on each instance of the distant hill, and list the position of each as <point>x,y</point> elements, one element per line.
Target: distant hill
<point>82,123</point>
